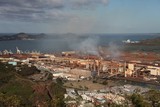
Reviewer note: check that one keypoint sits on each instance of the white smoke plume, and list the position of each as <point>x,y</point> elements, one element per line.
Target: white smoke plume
<point>87,46</point>
<point>114,50</point>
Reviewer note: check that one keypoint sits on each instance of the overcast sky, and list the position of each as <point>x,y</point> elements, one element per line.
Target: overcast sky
<point>80,16</point>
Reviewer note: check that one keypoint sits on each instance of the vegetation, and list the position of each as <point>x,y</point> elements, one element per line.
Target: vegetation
<point>154,97</point>
<point>57,93</point>
<point>154,41</point>
<point>26,71</point>
<point>149,99</point>
<point>5,75</point>
<point>9,101</point>
<point>18,91</point>
<point>59,81</point>
<point>21,36</point>
<point>105,83</point>
<point>139,101</point>
<point>94,81</point>
<point>85,87</point>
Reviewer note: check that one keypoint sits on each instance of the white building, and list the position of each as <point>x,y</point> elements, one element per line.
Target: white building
<point>154,70</point>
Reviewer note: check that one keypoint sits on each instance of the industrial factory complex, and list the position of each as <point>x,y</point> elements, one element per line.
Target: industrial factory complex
<point>74,66</point>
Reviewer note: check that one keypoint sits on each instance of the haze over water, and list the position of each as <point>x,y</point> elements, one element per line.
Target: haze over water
<point>69,43</point>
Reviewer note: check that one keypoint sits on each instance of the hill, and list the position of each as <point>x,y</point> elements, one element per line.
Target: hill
<point>154,41</point>
<point>16,90</point>
<point>22,36</point>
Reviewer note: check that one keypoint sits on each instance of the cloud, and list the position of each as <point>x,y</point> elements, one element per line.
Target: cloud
<point>32,3</point>
<point>33,10</point>
<point>87,3</point>
<point>43,10</point>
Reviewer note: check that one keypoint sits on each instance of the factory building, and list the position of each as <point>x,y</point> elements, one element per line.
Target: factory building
<point>154,70</point>
<point>141,70</point>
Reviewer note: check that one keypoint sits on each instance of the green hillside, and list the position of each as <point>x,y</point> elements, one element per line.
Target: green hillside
<point>155,41</point>
<point>16,90</point>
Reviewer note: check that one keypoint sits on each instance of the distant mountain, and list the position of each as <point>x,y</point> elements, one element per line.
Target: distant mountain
<point>22,36</point>
<point>154,41</point>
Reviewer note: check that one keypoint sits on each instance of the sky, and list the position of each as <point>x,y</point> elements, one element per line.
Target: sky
<point>80,16</point>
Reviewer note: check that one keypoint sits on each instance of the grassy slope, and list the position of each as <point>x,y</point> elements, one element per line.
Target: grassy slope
<point>29,93</point>
<point>14,84</point>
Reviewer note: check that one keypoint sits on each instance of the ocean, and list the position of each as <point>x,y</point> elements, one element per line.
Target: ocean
<point>87,42</point>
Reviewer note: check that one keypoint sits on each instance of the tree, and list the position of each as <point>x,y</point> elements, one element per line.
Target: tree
<point>50,76</point>
<point>59,81</point>
<point>57,102</point>
<point>105,83</point>
<point>154,97</point>
<point>9,101</point>
<point>139,101</point>
<point>57,92</point>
